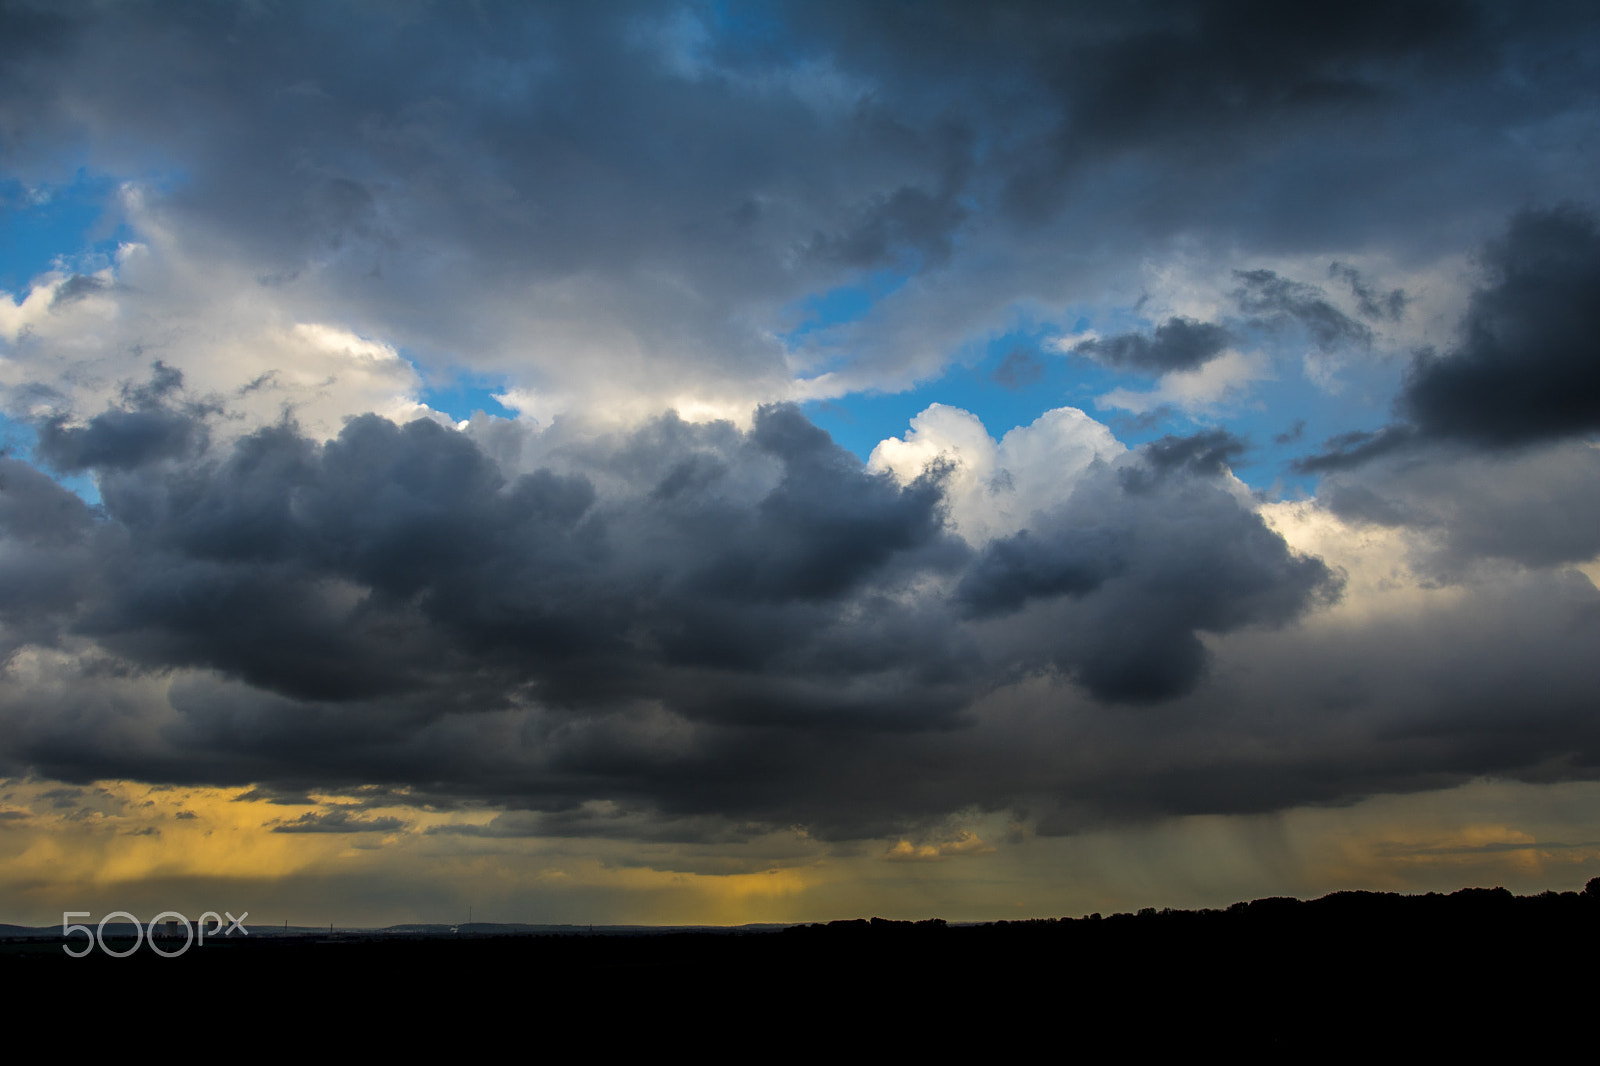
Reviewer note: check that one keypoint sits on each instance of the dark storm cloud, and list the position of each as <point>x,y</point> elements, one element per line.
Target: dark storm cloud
<point>115,439</point>
<point>1209,73</point>
<point>1527,368</point>
<point>47,538</point>
<point>1203,83</point>
<point>447,603</point>
<point>1209,452</point>
<point>241,564</point>
<point>687,618</point>
<point>145,430</point>
<point>1177,344</point>
<point>1528,365</point>
<point>506,584</point>
<point>1147,557</point>
<point>36,511</point>
<point>826,527</point>
<point>1022,567</point>
<point>1123,588</point>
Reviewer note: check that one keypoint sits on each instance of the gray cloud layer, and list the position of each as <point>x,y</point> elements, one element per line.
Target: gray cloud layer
<point>539,190</point>
<point>759,595</point>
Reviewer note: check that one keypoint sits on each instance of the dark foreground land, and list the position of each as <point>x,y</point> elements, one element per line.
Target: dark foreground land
<point>1479,965</point>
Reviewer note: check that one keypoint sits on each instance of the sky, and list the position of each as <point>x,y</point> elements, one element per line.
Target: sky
<point>770,462</point>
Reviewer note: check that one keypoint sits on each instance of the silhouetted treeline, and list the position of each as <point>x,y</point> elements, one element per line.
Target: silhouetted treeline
<point>1349,967</point>
<point>1345,912</point>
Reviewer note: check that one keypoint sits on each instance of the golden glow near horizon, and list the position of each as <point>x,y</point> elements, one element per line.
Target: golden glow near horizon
<point>118,845</point>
